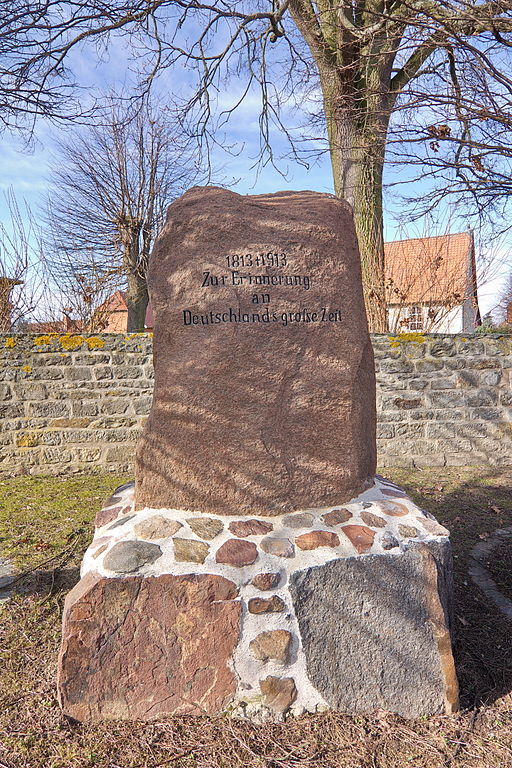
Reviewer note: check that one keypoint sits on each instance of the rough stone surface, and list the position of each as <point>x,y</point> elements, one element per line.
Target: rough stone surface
<point>272,604</point>
<point>243,528</point>
<point>137,648</point>
<point>278,547</point>
<point>279,693</point>
<point>432,526</point>
<point>360,536</point>
<point>299,520</point>
<point>156,527</point>
<point>266,581</point>
<point>129,556</point>
<point>276,435</point>
<point>189,550</point>
<point>205,527</point>
<point>120,522</point>
<point>100,551</point>
<point>116,404</point>
<point>370,519</point>
<point>336,517</point>
<point>237,553</point>
<point>378,638</point>
<point>105,516</point>
<point>407,531</point>
<point>389,541</point>
<point>315,539</point>
<point>274,644</point>
<point>393,509</point>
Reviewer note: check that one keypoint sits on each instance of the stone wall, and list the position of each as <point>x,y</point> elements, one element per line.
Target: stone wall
<point>444,400</point>
<point>72,403</point>
<point>76,403</point>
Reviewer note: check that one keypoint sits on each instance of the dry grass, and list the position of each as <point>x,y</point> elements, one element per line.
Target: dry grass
<point>34,734</point>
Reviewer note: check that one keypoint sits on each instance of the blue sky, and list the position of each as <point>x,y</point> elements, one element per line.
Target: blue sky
<point>26,170</point>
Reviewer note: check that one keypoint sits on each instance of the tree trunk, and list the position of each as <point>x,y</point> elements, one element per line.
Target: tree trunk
<point>137,300</point>
<point>357,158</point>
<point>137,295</point>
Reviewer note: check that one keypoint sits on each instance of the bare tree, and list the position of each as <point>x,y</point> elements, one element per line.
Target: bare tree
<point>504,308</point>
<point>24,279</point>
<point>111,185</point>
<point>376,63</point>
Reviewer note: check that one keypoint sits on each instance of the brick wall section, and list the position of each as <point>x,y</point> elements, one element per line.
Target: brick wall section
<point>67,408</point>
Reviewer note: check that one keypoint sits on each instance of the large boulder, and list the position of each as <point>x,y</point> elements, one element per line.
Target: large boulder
<point>264,396</point>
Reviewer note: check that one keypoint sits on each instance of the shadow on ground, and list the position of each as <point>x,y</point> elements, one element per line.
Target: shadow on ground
<point>471,509</point>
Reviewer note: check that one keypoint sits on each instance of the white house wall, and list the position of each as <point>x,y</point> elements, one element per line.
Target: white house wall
<point>450,321</point>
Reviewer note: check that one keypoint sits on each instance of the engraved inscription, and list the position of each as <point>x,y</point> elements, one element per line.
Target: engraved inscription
<point>241,274</point>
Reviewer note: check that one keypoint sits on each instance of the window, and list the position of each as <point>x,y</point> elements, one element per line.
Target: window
<point>415,321</point>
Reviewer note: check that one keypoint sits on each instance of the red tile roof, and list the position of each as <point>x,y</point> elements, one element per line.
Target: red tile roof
<point>430,269</point>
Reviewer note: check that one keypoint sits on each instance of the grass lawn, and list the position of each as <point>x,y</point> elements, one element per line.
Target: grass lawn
<point>45,525</point>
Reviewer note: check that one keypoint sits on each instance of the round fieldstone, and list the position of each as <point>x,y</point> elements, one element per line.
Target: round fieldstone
<point>359,536</point>
<point>393,509</point>
<point>271,645</point>
<point>243,528</point>
<point>278,547</point>
<point>237,553</point>
<point>266,581</point>
<point>121,521</point>
<point>432,526</point>
<point>278,693</point>
<point>156,527</point>
<point>370,519</point>
<point>336,517</point>
<point>190,550</point>
<point>105,516</point>
<point>130,556</point>
<point>272,604</point>
<point>407,531</point>
<point>299,520</point>
<point>388,541</point>
<point>315,539</point>
<point>396,493</point>
<point>206,527</point>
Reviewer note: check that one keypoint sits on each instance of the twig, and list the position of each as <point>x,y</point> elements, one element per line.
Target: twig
<point>168,760</point>
<point>68,551</point>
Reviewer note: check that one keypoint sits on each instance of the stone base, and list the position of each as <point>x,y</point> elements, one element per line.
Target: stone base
<point>344,608</point>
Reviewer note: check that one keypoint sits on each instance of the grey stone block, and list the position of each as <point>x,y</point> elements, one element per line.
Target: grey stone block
<point>78,373</point>
<point>375,631</point>
<point>445,348</point>
<point>426,366</point>
<point>446,399</point>
<point>479,397</point>
<point>5,392</point>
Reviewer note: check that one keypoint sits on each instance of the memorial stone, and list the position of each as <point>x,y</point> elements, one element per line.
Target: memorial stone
<point>256,474</point>
<point>264,396</point>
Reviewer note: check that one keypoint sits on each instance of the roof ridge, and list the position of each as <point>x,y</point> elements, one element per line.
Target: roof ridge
<point>429,237</point>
